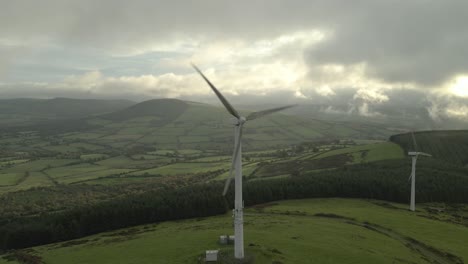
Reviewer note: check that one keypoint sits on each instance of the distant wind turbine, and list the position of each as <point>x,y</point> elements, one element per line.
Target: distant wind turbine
<point>237,164</point>
<point>414,156</point>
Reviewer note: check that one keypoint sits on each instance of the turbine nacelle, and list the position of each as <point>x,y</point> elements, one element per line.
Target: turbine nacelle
<point>241,120</point>
<point>238,121</point>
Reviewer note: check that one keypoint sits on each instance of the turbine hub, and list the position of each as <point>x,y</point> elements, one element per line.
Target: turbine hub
<point>242,120</point>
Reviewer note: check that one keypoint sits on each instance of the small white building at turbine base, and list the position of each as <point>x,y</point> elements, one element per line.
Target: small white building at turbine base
<point>211,255</point>
<point>225,239</point>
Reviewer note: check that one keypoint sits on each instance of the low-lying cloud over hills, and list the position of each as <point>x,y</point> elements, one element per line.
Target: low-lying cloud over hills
<point>350,56</point>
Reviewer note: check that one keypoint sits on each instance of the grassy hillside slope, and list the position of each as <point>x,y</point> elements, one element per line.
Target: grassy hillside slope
<point>295,231</point>
<point>326,158</point>
<point>448,145</point>
<point>95,164</point>
<point>27,111</point>
<point>170,137</point>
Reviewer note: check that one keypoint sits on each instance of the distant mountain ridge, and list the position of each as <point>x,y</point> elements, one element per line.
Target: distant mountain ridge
<point>27,111</point>
<point>165,109</point>
<point>176,124</point>
<point>61,107</point>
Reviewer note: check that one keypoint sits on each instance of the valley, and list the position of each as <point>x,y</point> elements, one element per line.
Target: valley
<point>247,132</point>
<point>61,176</point>
<point>162,137</point>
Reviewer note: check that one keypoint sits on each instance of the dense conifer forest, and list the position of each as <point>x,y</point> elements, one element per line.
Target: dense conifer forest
<point>387,180</point>
<point>448,145</point>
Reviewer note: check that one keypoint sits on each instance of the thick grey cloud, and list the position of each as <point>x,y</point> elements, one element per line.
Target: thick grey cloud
<point>141,50</point>
<point>401,41</point>
<point>118,22</point>
<point>422,41</point>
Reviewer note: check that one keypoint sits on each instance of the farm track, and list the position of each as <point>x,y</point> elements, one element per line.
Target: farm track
<point>139,138</point>
<point>22,178</point>
<point>55,182</point>
<point>427,252</point>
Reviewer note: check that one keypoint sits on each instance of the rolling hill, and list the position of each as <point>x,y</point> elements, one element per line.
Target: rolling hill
<point>169,137</point>
<point>176,124</point>
<point>14,112</point>
<point>165,139</point>
<point>171,124</point>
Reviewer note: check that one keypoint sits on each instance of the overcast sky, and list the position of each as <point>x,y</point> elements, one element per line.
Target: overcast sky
<point>364,52</point>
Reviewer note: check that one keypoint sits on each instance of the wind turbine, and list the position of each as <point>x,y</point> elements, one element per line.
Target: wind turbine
<point>237,164</point>
<point>414,156</point>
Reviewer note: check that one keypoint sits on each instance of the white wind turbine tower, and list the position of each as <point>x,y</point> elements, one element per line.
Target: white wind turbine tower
<point>237,164</point>
<point>414,156</point>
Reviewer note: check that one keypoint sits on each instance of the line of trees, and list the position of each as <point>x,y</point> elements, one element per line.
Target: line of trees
<point>448,145</point>
<point>150,207</point>
<point>436,182</point>
<point>385,180</point>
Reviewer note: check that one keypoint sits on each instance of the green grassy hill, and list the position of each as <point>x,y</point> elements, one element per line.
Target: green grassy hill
<point>448,145</point>
<point>91,164</point>
<point>167,144</point>
<point>14,112</point>
<point>295,231</point>
<point>167,137</point>
<point>180,124</point>
<point>166,109</point>
<point>329,157</point>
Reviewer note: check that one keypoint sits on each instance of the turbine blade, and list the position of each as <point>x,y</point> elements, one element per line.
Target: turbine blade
<point>229,179</point>
<point>424,154</point>
<point>258,114</point>
<point>226,185</point>
<point>415,145</point>
<point>223,100</point>
<point>234,160</point>
<point>411,175</point>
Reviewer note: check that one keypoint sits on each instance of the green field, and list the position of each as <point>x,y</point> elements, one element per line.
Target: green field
<point>92,167</point>
<point>295,231</point>
<point>124,151</point>
<point>184,168</point>
<point>368,153</point>
<point>329,157</point>
<point>162,137</point>
<point>7,179</point>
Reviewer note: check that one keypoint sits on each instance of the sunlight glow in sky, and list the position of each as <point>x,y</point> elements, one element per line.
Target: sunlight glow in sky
<point>359,54</point>
<point>460,86</point>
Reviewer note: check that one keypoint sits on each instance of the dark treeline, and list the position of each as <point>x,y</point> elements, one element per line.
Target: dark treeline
<point>435,182</point>
<point>383,180</point>
<point>150,207</point>
<point>448,145</point>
